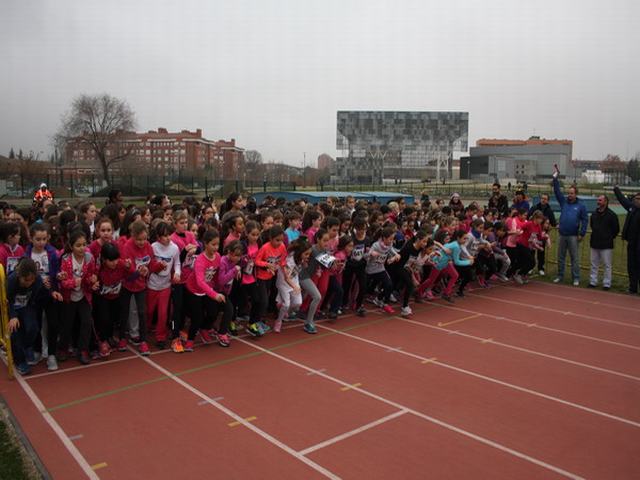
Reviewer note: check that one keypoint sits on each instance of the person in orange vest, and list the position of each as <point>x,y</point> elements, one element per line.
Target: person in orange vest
<point>42,193</point>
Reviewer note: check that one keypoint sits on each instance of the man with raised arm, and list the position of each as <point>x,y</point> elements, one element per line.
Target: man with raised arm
<point>572,228</point>
<point>631,233</point>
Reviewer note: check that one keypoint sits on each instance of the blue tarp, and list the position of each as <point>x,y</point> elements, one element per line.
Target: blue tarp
<point>317,197</point>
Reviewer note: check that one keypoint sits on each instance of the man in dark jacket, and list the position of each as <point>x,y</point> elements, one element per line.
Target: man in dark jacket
<point>499,201</point>
<point>631,233</point>
<point>545,208</point>
<point>604,229</point>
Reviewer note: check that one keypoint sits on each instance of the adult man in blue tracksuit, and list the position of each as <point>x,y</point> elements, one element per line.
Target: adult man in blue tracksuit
<point>572,228</point>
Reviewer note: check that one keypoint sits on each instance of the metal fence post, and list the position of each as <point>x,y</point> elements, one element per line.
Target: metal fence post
<point>22,185</point>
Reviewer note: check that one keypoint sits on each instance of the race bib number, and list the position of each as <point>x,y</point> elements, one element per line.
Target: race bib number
<point>209,273</point>
<point>248,268</point>
<point>21,300</point>
<point>142,261</point>
<point>12,263</point>
<point>357,253</point>
<point>111,289</point>
<point>326,260</point>
<point>189,261</point>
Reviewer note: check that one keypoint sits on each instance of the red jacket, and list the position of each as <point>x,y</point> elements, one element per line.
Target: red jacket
<point>67,278</point>
<point>111,279</point>
<point>139,257</point>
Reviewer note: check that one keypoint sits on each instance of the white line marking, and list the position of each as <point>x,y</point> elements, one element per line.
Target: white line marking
<point>424,416</point>
<point>351,433</point>
<point>394,349</point>
<point>526,350</point>
<point>239,419</point>
<point>495,380</point>
<point>320,370</point>
<point>564,297</point>
<point>71,448</point>
<point>75,437</point>
<point>589,317</point>
<point>542,327</point>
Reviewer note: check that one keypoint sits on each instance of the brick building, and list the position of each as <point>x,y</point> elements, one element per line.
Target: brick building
<point>162,153</point>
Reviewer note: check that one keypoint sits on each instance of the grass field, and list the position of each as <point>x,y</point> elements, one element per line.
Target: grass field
<point>12,465</point>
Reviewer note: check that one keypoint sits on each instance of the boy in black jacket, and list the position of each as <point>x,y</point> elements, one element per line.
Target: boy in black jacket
<point>604,229</point>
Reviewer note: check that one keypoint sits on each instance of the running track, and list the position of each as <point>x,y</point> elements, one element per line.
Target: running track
<point>537,381</point>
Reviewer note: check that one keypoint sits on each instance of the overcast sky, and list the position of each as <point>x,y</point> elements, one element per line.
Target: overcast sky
<point>272,74</point>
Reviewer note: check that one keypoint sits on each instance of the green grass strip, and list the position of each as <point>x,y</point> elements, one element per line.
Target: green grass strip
<point>219,363</point>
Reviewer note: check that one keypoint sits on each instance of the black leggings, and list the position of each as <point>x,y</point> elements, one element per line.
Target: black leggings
<point>106,311</point>
<point>177,309</point>
<point>406,280</point>
<point>486,265</point>
<point>465,272</point>
<point>383,279</point>
<point>248,296</point>
<point>351,276</point>
<point>71,310</point>
<point>203,310</point>
<point>262,297</point>
<point>526,260</point>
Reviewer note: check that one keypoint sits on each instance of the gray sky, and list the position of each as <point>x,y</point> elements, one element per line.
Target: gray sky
<point>272,74</point>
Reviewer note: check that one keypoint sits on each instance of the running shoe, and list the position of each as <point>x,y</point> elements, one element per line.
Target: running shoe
<point>576,283</point>
<point>161,344</point>
<point>447,298</point>
<point>429,295</point>
<point>332,316</point>
<point>460,293</point>
<point>224,340</point>
<point>253,330</point>
<point>188,346</point>
<point>233,328</point>
<point>378,303</point>
<point>361,312</point>
<point>264,327</point>
<point>205,337</point>
<point>52,363</point>
<point>23,368</point>
<point>135,340</point>
<point>176,345</point>
<point>557,280</point>
<point>518,279</point>
<point>83,357</point>
<point>184,336</point>
<point>310,328</point>
<point>541,273</point>
<point>406,311</point>
<point>143,348</point>
<point>393,299</point>
<point>122,345</point>
<point>104,349</point>
<point>277,326</point>
<point>502,278</point>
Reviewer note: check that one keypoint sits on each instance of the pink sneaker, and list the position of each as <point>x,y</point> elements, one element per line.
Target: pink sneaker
<point>104,349</point>
<point>428,295</point>
<point>122,345</point>
<point>224,340</point>
<point>389,309</point>
<point>144,349</point>
<point>277,326</point>
<point>206,337</point>
<point>188,346</point>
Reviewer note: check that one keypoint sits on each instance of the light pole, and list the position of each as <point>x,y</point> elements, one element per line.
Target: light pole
<point>304,169</point>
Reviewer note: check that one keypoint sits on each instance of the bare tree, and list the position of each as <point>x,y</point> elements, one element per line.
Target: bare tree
<point>103,123</point>
<point>252,159</point>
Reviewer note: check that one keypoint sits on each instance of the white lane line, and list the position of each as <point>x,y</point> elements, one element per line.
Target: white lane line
<point>64,438</point>
<point>274,441</point>
<point>424,416</point>
<point>601,294</point>
<point>75,437</point>
<point>351,433</point>
<point>494,380</point>
<point>313,373</point>
<point>541,327</point>
<point>554,310</point>
<point>565,297</point>
<point>525,350</point>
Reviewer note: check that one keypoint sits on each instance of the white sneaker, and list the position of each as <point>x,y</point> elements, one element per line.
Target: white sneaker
<point>576,283</point>
<point>502,278</point>
<point>557,280</point>
<point>52,363</point>
<point>518,279</point>
<point>406,311</point>
<point>378,303</point>
<point>541,273</point>
<point>393,299</point>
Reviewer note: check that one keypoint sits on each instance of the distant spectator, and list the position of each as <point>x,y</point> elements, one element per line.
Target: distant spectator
<point>456,204</point>
<point>631,233</point>
<point>498,200</point>
<point>604,229</point>
<point>545,208</point>
<point>520,201</point>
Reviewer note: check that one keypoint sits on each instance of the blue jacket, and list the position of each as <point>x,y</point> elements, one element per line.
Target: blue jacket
<point>443,260</point>
<point>573,216</point>
<point>54,264</point>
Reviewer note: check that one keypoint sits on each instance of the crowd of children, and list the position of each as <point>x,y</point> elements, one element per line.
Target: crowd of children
<point>85,282</point>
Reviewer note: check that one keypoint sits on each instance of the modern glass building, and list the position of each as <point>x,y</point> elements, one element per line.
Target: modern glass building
<point>379,146</point>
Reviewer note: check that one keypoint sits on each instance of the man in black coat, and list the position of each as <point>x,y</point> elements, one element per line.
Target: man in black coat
<point>631,233</point>
<point>499,201</point>
<point>545,208</point>
<point>604,229</point>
